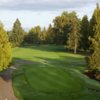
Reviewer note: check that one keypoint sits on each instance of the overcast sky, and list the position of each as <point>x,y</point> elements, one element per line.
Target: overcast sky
<point>41,12</point>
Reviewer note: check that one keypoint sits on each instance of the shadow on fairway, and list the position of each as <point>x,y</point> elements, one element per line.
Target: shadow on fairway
<point>63,61</point>
<point>17,62</point>
<point>49,48</point>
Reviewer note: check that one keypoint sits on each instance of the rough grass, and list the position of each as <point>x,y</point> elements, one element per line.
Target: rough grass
<point>53,74</point>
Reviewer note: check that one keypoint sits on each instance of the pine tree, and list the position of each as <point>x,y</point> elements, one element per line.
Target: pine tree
<point>18,33</point>
<point>94,59</point>
<point>84,33</point>
<point>92,24</point>
<point>5,49</point>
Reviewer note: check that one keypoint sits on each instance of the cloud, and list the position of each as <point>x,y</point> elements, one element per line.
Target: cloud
<point>43,5</point>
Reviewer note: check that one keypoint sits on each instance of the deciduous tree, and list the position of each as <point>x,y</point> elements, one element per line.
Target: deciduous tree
<point>74,32</point>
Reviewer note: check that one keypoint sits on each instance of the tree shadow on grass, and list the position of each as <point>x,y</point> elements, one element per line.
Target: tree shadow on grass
<point>63,61</point>
<point>16,63</point>
<point>49,48</point>
<point>54,48</point>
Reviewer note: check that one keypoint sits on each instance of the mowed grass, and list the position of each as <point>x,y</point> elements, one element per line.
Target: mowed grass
<point>50,73</point>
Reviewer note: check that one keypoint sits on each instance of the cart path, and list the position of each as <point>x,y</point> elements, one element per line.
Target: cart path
<point>6,90</point>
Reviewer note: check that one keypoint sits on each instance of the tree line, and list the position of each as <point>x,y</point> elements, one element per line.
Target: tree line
<point>67,29</point>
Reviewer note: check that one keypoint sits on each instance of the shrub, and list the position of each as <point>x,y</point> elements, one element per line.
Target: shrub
<point>5,49</point>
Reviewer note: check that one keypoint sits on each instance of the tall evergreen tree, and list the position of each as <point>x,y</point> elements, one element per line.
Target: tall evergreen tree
<point>84,33</point>
<point>18,34</point>
<point>5,49</point>
<point>94,58</point>
<point>92,24</point>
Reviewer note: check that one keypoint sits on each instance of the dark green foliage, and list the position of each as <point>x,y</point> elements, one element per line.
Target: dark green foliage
<point>85,33</point>
<point>50,35</point>
<point>17,35</point>
<point>33,35</point>
<point>61,28</point>
<point>94,58</point>
<point>92,24</point>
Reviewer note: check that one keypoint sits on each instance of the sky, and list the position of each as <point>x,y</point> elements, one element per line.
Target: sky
<point>41,12</point>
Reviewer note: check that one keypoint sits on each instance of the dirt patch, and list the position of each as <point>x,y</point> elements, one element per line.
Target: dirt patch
<point>92,74</point>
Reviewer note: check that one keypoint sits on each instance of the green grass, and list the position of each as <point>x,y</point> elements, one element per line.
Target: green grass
<point>51,74</point>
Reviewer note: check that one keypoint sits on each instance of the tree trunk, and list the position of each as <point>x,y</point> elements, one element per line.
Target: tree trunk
<point>75,48</point>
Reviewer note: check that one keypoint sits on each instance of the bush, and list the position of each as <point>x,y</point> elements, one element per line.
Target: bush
<point>5,49</point>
